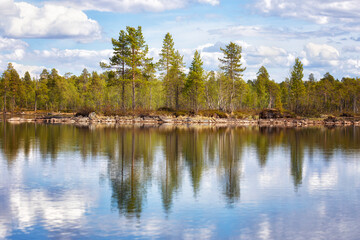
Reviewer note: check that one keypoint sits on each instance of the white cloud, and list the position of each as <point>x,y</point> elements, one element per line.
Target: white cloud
<point>11,50</point>
<point>319,11</point>
<point>321,55</point>
<point>211,2</point>
<point>24,20</point>
<point>133,5</point>
<point>7,43</point>
<point>33,70</point>
<point>72,54</point>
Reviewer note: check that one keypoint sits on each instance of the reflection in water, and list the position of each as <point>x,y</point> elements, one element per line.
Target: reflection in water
<point>176,160</point>
<point>229,161</point>
<point>297,157</point>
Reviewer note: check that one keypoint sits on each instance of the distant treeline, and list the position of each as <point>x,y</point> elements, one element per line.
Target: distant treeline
<point>134,81</point>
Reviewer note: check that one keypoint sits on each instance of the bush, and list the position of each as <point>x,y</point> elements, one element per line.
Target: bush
<point>180,113</point>
<point>212,113</point>
<point>84,112</point>
<point>165,109</point>
<point>110,111</point>
<point>288,114</point>
<point>346,114</point>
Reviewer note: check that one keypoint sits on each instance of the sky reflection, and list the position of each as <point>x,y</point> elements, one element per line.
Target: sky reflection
<point>188,183</point>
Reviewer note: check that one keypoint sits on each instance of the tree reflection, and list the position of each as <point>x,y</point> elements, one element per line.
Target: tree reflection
<point>131,171</point>
<point>171,173</point>
<point>229,162</point>
<point>297,156</point>
<point>139,156</point>
<point>193,155</point>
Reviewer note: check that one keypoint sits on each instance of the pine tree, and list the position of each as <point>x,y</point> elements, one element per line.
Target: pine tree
<point>42,91</point>
<point>12,87</point>
<point>167,56</point>
<point>177,78</point>
<point>297,88</point>
<point>117,61</point>
<point>136,57</point>
<point>29,89</point>
<point>232,67</point>
<point>194,85</point>
<point>261,84</point>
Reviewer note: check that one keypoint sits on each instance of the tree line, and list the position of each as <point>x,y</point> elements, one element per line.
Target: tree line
<point>132,80</point>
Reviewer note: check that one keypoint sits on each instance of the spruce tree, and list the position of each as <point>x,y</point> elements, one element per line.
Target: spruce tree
<point>167,56</point>
<point>261,83</point>
<point>297,88</point>
<point>194,85</point>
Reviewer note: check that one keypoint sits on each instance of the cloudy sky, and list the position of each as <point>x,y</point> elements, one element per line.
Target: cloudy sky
<point>71,35</point>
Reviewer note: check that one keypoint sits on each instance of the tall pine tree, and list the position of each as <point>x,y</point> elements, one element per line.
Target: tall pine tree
<point>231,65</point>
<point>297,88</point>
<point>194,85</point>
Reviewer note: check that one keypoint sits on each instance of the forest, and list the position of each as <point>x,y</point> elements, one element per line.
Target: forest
<point>131,81</point>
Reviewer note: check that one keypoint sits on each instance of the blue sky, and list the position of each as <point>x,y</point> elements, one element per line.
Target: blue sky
<point>75,34</point>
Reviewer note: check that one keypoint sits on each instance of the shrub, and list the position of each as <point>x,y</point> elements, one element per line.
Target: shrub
<point>110,111</point>
<point>84,112</point>
<point>213,113</point>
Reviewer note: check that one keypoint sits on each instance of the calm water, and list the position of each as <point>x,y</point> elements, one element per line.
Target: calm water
<point>68,182</point>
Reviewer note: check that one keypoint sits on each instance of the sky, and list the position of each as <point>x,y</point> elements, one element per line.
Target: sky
<point>71,35</point>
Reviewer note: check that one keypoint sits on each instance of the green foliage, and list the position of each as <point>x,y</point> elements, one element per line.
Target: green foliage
<point>194,85</point>
<point>297,88</point>
<point>231,66</point>
<point>213,113</point>
<point>171,66</point>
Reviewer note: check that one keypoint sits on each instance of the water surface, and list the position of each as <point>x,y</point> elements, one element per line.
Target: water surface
<point>69,182</point>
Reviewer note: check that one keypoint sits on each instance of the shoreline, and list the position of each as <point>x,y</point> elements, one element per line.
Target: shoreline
<point>195,120</point>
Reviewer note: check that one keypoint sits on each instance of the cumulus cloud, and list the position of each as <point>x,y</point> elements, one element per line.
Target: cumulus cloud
<point>133,5</point>
<point>6,44</point>
<point>24,20</point>
<point>319,11</point>
<point>321,55</point>
<point>33,70</point>
<point>73,54</point>
<point>278,32</point>
<point>11,50</point>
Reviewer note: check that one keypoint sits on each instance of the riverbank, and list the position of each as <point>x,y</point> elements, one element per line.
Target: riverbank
<point>185,120</point>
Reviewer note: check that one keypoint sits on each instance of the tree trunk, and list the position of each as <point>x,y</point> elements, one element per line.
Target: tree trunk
<point>123,95</point>
<point>133,92</point>
<point>4,102</point>
<point>354,104</point>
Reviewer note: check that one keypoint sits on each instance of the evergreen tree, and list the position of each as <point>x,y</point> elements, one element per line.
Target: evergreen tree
<point>261,84</point>
<point>194,85</point>
<point>232,67</point>
<point>11,87</point>
<point>136,57</point>
<point>29,90</point>
<point>177,78</point>
<point>42,97</point>
<point>297,88</point>
<point>167,56</point>
<point>117,61</point>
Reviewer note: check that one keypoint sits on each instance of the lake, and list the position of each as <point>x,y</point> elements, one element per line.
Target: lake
<point>126,182</point>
